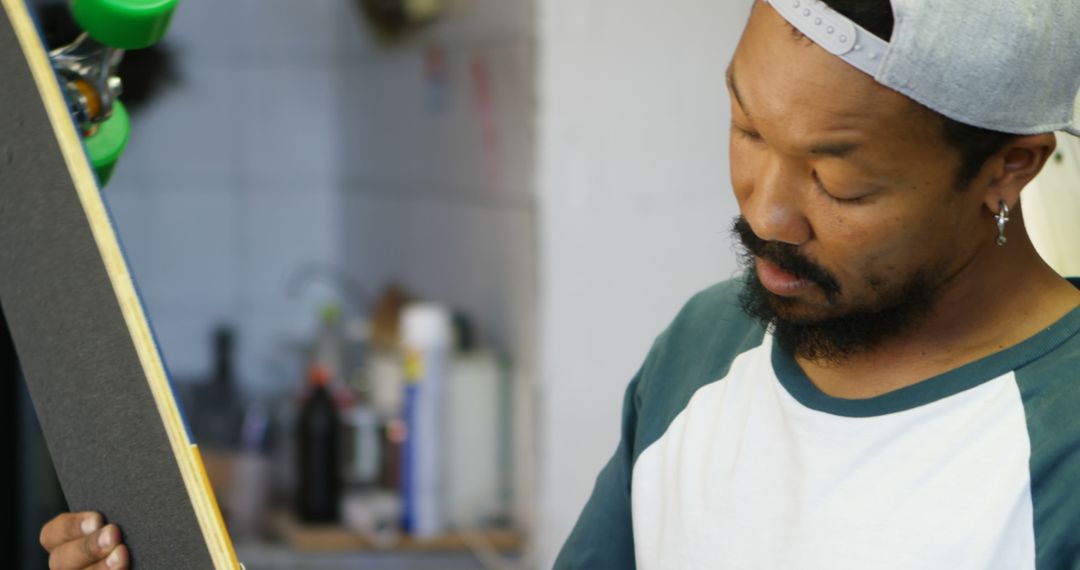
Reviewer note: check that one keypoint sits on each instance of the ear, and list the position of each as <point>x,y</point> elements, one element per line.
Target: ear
<point>1015,166</point>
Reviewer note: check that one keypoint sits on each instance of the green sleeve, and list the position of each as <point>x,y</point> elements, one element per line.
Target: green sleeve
<point>1050,389</point>
<point>603,537</point>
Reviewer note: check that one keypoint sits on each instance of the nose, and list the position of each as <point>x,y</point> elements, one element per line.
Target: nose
<point>773,207</point>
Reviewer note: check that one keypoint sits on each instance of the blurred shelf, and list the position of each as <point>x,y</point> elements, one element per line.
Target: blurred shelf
<point>333,538</point>
<point>261,556</point>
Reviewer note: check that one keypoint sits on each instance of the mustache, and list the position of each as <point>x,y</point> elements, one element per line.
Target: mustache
<point>785,256</point>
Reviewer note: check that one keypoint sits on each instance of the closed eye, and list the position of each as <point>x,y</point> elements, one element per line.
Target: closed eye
<point>745,134</point>
<point>821,187</point>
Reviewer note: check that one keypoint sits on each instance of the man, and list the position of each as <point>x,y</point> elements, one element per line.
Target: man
<point>892,384</point>
<point>895,382</point>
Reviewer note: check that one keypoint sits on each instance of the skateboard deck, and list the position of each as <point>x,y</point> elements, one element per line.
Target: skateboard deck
<point>96,377</point>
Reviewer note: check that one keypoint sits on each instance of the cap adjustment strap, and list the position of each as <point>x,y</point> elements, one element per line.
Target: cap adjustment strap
<point>834,32</point>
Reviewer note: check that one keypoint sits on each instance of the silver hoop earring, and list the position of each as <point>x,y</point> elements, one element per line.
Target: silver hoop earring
<point>1002,218</point>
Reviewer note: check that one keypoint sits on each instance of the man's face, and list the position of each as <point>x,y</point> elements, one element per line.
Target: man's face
<point>846,187</point>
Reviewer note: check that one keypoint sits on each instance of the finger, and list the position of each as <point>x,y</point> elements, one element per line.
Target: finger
<point>68,527</point>
<point>85,551</point>
<point>118,559</point>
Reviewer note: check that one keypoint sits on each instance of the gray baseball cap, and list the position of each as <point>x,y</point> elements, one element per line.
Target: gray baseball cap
<point>1005,65</point>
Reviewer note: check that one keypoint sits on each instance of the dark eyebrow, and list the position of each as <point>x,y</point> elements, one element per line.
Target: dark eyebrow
<point>730,75</point>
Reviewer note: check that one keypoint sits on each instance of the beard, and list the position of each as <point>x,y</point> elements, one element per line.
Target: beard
<point>842,329</point>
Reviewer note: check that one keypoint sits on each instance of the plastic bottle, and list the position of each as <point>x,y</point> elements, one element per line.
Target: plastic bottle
<point>319,494</point>
<point>426,338</point>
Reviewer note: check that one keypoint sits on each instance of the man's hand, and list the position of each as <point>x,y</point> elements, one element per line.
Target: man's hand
<point>78,541</point>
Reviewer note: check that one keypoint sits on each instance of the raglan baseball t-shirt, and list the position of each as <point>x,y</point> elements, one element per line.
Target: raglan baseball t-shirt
<point>731,458</point>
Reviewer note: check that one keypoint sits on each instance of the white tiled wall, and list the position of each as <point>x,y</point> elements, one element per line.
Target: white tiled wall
<point>231,179</point>
<point>295,138</point>
<point>438,177</point>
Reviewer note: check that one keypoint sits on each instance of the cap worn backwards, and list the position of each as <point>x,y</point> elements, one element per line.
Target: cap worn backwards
<point>1005,65</point>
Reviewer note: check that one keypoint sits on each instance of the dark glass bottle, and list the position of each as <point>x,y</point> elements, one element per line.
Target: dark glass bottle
<point>320,424</point>
<point>216,410</point>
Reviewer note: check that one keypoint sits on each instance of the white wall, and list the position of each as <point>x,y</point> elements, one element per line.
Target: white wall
<point>634,209</point>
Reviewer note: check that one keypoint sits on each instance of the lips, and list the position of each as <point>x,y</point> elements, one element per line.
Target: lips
<point>778,281</point>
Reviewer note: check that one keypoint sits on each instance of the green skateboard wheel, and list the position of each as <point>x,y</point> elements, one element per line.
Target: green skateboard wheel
<point>124,24</point>
<point>107,142</point>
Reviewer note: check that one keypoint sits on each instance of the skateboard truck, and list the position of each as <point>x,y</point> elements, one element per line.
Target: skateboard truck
<point>87,70</point>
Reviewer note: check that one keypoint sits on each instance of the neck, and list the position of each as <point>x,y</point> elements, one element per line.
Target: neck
<point>997,299</point>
